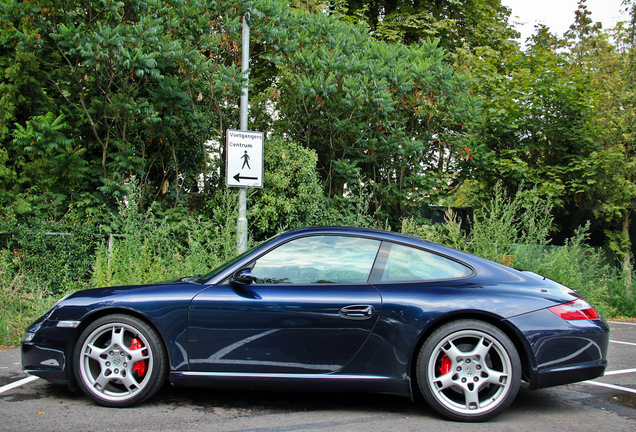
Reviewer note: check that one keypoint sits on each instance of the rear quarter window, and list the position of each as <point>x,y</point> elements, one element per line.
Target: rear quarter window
<point>404,263</point>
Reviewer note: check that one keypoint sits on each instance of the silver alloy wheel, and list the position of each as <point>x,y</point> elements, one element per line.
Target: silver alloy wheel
<point>478,373</point>
<point>107,362</point>
<point>469,370</point>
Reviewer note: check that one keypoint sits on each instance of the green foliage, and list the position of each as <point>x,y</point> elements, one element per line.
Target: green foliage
<point>53,165</point>
<point>292,196</point>
<point>539,123</point>
<point>22,300</point>
<point>393,115</point>
<point>583,268</point>
<point>506,221</point>
<point>40,260</point>
<point>129,91</point>
<point>471,23</point>
<point>151,249</point>
<point>610,60</point>
<point>498,226</point>
<point>59,255</point>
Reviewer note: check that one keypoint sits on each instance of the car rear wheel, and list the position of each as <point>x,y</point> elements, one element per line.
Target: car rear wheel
<point>119,361</point>
<point>468,370</point>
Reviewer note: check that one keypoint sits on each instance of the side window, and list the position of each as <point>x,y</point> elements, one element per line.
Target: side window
<point>404,263</point>
<point>318,260</point>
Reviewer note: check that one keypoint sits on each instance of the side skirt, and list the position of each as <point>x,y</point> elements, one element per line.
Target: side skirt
<point>293,382</point>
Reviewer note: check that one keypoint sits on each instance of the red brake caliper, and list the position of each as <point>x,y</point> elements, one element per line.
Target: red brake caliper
<point>445,367</point>
<point>140,366</point>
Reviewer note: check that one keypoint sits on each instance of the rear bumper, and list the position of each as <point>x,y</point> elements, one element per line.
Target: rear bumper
<point>555,377</point>
<point>562,352</point>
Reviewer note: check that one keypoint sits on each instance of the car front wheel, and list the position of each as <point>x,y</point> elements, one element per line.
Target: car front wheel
<point>119,361</point>
<point>468,370</point>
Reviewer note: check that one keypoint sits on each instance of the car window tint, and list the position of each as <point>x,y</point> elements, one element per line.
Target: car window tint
<point>318,259</point>
<point>405,263</point>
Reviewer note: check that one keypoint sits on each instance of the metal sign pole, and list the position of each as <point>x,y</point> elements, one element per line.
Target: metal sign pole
<point>241,224</point>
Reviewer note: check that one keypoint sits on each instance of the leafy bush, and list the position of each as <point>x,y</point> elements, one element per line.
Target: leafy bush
<point>152,249</point>
<point>162,245</point>
<point>58,254</point>
<point>41,260</point>
<point>292,196</point>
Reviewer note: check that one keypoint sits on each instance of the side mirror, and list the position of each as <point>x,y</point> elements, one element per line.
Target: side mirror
<point>242,277</point>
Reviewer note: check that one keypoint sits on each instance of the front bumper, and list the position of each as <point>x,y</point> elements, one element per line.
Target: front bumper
<point>46,351</point>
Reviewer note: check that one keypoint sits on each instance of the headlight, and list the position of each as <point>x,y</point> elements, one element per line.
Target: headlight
<point>30,333</point>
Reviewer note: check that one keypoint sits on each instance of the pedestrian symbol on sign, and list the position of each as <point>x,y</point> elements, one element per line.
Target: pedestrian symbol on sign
<point>246,159</point>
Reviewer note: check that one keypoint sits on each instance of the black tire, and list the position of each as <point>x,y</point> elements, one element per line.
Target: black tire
<point>119,361</point>
<point>468,370</point>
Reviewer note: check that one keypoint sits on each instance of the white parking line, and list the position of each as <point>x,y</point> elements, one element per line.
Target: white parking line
<point>618,372</point>
<point>17,383</point>
<point>612,386</point>
<point>624,343</point>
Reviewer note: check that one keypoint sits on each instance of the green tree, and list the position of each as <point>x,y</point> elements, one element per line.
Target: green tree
<point>539,122</point>
<point>613,67</point>
<point>51,163</point>
<point>142,85</point>
<point>395,117</point>
<point>470,23</point>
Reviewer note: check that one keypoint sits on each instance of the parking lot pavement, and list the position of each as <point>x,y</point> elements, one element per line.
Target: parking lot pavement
<point>617,388</point>
<point>621,369</point>
<point>10,368</point>
<point>607,403</point>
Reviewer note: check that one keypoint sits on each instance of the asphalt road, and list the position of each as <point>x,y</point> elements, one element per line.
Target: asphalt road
<point>606,404</point>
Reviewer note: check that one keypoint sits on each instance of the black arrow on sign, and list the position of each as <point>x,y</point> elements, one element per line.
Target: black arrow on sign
<point>238,178</point>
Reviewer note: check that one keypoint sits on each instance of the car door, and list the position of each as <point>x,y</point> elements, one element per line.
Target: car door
<point>307,308</point>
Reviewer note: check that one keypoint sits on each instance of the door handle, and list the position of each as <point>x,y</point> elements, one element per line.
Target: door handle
<point>359,312</point>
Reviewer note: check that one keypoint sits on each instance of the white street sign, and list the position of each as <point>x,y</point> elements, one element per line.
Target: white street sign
<point>244,159</point>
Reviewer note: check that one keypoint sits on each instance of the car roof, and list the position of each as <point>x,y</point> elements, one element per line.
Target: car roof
<point>345,230</point>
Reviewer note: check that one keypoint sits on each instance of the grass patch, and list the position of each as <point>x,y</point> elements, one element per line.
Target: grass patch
<point>22,300</point>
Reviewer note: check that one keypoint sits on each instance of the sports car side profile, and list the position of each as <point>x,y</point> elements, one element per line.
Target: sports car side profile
<point>330,309</point>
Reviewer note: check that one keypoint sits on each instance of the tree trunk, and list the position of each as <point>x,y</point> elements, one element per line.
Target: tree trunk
<point>627,256</point>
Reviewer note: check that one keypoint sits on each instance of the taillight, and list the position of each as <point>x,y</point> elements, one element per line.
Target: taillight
<point>575,310</point>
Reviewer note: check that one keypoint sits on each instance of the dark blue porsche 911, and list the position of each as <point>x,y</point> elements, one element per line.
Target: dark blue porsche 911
<point>333,309</point>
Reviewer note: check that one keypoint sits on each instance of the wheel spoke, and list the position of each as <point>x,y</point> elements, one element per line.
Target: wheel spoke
<point>496,378</point>
<point>472,397</point>
<point>129,381</point>
<point>138,354</point>
<point>443,382</point>
<point>482,348</point>
<point>94,352</point>
<point>117,336</point>
<point>453,352</point>
<point>101,382</point>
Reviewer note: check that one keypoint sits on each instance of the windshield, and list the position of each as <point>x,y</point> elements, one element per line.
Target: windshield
<point>203,279</point>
